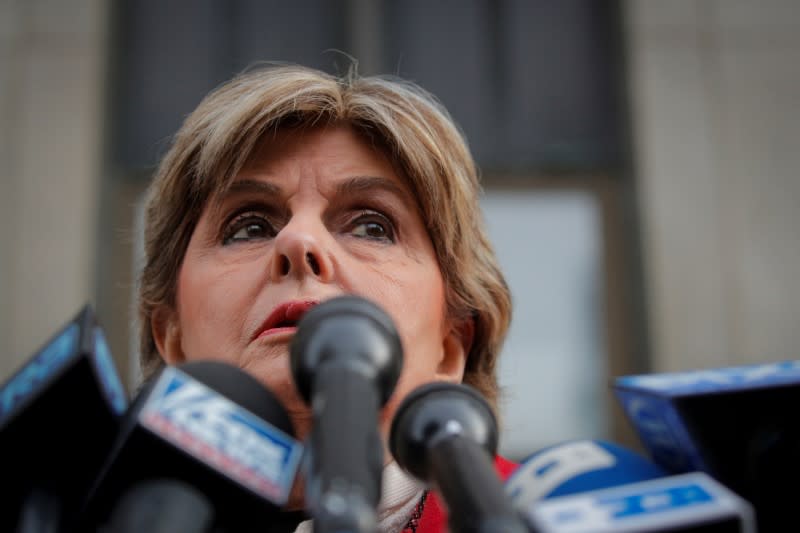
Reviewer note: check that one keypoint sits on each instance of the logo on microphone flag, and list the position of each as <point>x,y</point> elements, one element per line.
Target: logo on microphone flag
<point>656,505</point>
<point>222,434</point>
<point>38,372</point>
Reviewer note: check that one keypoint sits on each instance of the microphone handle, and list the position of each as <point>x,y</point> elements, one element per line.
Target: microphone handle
<point>162,506</point>
<point>41,513</point>
<point>474,495</point>
<point>346,451</point>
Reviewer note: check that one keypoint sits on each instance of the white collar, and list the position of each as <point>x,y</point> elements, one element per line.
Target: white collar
<point>400,495</point>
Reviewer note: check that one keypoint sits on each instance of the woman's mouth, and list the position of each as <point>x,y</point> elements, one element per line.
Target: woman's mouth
<point>284,317</point>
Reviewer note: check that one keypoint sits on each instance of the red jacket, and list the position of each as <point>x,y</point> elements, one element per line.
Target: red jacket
<point>433,517</point>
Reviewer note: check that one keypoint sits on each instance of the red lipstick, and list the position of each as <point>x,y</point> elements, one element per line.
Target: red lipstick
<point>285,317</point>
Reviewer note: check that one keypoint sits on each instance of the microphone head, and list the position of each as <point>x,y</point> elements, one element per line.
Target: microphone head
<point>59,415</point>
<point>215,427</point>
<point>436,411</point>
<point>351,331</point>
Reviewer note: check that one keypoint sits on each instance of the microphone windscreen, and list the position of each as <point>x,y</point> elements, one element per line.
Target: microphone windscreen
<point>349,331</point>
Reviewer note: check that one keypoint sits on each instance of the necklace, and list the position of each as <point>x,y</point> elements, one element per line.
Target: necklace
<point>413,522</point>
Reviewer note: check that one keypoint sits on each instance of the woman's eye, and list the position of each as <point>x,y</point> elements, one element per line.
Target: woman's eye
<point>247,228</point>
<point>373,226</point>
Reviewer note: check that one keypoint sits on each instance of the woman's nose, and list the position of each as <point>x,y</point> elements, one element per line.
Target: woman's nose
<point>300,251</point>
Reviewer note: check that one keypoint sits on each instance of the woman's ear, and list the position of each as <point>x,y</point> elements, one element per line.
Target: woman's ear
<point>166,331</point>
<point>455,350</point>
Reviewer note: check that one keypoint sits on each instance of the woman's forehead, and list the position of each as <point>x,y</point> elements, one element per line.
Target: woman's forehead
<point>260,174</point>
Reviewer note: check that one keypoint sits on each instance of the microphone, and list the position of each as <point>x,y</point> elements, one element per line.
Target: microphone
<point>686,503</point>
<point>162,506</point>
<point>206,436</point>
<point>59,414</point>
<point>346,357</point>
<point>737,424</point>
<point>590,485</point>
<point>577,466</point>
<point>446,434</point>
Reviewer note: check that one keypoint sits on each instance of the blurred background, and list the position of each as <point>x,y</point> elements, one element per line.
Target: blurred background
<point>639,160</point>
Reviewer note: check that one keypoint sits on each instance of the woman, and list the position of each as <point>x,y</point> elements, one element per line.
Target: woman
<point>287,187</point>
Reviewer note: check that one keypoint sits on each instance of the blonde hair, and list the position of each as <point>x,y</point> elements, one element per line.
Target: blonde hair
<point>402,119</point>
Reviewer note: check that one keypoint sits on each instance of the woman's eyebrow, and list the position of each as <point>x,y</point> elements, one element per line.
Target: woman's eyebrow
<point>359,184</point>
<point>243,188</point>
<point>349,186</point>
<point>254,186</point>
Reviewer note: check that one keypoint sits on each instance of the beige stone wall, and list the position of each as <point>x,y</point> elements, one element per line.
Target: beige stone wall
<point>52,56</point>
<point>716,96</point>
<point>715,87</point>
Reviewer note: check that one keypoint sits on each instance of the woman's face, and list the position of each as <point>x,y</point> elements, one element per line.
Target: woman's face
<point>315,214</point>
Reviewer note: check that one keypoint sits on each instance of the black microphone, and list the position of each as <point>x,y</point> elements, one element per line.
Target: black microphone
<point>737,424</point>
<point>202,434</point>
<point>346,357</point>
<point>446,434</point>
<point>162,506</point>
<point>59,415</point>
